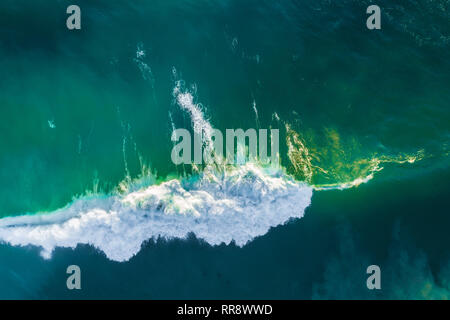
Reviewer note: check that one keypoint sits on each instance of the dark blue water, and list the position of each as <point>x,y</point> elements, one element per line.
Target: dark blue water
<point>87,117</point>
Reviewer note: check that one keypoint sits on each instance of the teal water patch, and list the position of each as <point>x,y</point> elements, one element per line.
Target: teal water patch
<point>81,107</point>
<point>87,118</point>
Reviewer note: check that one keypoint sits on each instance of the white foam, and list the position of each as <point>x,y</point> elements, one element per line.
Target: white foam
<point>235,204</point>
<point>145,69</point>
<point>200,125</point>
<point>238,206</point>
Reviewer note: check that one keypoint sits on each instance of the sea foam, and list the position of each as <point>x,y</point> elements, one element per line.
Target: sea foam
<point>237,206</point>
<point>233,204</point>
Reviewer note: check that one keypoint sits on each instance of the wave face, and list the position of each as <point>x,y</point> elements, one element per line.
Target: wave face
<point>238,206</point>
<point>218,205</point>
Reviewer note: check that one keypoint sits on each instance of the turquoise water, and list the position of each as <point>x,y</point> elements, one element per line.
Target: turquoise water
<point>87,177</point>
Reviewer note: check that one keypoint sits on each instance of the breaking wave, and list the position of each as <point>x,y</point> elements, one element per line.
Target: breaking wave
<point>220,204</point>
<point>230,204</point>
<point>237,206</point>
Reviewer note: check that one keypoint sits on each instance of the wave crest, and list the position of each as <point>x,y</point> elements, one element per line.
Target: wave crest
<point>238,205</point>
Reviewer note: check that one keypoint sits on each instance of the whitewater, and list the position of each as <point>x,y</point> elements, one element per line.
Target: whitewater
<point>245,204</point>
<point>233,205</point>
<point>219,203</point>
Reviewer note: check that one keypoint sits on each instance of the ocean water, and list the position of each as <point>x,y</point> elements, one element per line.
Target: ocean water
<point>85,149</point>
